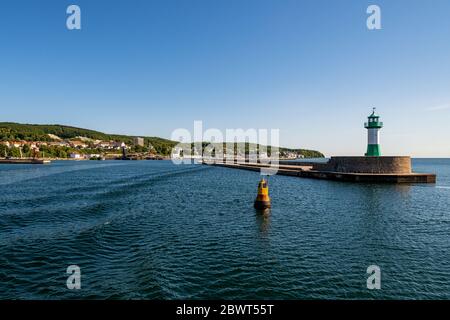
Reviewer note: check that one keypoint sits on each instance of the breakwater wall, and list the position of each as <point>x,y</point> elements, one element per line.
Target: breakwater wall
<point>24,161</point>
<point>351,169</point>
<point>379,165</point>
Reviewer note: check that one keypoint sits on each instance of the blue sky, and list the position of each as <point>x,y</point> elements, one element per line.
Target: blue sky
<point>310,68</point>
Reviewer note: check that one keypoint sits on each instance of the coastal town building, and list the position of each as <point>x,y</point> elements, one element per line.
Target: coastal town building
<point>75,155</point>
<point>93,156</point>
<point>78,144</point>
<point>138,141</point>
<point>104,145</point>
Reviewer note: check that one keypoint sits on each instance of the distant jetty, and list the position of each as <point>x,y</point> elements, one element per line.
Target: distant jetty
<point>349,169</point>
<point>372,168</point>
<point>24,161</point>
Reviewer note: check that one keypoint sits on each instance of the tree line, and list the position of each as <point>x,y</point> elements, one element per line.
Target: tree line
<point>10,131</point>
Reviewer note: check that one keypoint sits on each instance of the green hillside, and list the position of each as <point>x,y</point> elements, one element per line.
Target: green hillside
<point>37,132</point>
<point>33,132</point>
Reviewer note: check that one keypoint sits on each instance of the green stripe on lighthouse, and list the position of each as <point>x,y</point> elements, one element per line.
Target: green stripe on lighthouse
<point>373,150</point>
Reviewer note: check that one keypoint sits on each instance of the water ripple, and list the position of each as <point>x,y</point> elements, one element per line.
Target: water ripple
<point>153,230</point>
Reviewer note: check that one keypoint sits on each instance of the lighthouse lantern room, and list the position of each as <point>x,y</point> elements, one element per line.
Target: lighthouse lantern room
<point>373,127</point>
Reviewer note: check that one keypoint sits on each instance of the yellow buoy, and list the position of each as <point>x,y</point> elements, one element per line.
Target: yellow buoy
<point>262,199</point>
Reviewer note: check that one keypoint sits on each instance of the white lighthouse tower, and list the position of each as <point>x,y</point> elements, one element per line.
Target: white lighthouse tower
<point>373,127</point>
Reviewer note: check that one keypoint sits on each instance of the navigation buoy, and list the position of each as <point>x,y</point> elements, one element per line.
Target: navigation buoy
<point>262,199</point>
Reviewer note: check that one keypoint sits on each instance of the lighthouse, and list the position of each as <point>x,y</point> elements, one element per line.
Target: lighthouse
<point>373,127</point>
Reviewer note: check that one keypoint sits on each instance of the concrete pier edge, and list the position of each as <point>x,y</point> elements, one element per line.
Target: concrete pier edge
<point>367,169</point>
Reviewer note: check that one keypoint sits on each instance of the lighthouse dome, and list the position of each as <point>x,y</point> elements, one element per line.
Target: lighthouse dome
<point>373,121</point>
<point>374,115</point>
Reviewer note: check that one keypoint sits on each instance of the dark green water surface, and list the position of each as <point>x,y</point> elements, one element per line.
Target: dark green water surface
<point>154,230</point>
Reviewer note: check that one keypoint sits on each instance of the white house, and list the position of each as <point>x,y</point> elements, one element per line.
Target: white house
<point>74,155</point>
